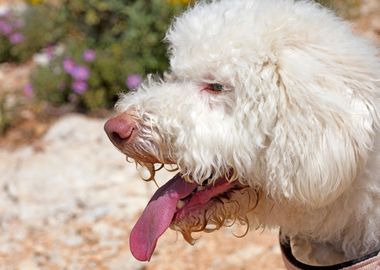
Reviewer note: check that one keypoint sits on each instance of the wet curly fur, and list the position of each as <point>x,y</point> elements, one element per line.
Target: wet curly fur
<point>296,122</point>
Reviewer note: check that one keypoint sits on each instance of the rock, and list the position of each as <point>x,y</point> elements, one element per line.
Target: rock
<point>28,265</point>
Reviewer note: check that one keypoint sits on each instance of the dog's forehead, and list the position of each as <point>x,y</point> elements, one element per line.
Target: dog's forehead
<point>220,45</point>
<point>225,32</point>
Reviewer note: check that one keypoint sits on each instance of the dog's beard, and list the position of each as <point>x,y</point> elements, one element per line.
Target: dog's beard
<point>224,210</point>
<point>227,209</point>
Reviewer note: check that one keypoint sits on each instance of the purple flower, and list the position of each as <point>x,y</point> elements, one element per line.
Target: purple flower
<point>5,28</point>
<point>6,14</point>
<point>49,51</point>
<point>16,38</point>
<point>89,55</point>
<point>79,87</point>
<point>68,65</point>
<point>18,23</point>
<point>133,81</point>
<point>80,73</point>
<point>28,90</point>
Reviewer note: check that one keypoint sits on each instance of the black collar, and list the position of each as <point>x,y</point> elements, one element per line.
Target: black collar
<point>287,252</point>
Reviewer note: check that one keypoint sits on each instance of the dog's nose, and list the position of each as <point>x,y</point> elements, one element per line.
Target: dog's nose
<point>120,129</point>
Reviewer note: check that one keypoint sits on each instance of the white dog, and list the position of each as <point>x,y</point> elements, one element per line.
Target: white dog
<point>270,111</point>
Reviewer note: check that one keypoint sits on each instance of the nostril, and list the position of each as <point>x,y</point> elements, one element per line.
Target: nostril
<point>119,138</point>
<point>116,137</point>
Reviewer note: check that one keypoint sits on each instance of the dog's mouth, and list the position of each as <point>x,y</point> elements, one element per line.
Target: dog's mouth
<point>179,204</point>
<point>173,203</point>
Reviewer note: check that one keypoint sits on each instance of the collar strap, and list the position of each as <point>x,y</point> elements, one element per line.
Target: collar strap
<point>292,263</point>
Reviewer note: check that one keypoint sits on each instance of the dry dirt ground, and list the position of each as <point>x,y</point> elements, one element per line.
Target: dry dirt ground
<point>68,200</point>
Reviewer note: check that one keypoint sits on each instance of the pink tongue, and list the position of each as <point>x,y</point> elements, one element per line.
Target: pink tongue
<point>157,217</point>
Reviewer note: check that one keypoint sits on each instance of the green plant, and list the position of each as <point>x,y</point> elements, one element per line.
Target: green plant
<point>8,111</point>
<point>25,32</point>
<point>4,118</point>
<point>11,36</point>
<point>124,40</point>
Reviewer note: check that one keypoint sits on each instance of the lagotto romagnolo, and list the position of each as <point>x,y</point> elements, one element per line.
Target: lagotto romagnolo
<point>270,112</point>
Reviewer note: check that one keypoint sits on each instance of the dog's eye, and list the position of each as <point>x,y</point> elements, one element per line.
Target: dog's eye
<point>214,87</point>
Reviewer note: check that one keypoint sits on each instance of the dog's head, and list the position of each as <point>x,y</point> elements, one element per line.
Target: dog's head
<point>270,98</point>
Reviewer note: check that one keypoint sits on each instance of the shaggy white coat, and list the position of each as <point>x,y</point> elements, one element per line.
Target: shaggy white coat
<point>297,118</point>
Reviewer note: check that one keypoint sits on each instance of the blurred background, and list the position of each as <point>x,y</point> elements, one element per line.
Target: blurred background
<point>68,199</point>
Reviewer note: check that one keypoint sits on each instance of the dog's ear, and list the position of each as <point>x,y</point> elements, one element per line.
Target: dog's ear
<point>326,120</point>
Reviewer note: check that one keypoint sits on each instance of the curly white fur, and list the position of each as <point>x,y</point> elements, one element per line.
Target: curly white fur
<point>297,118</point>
